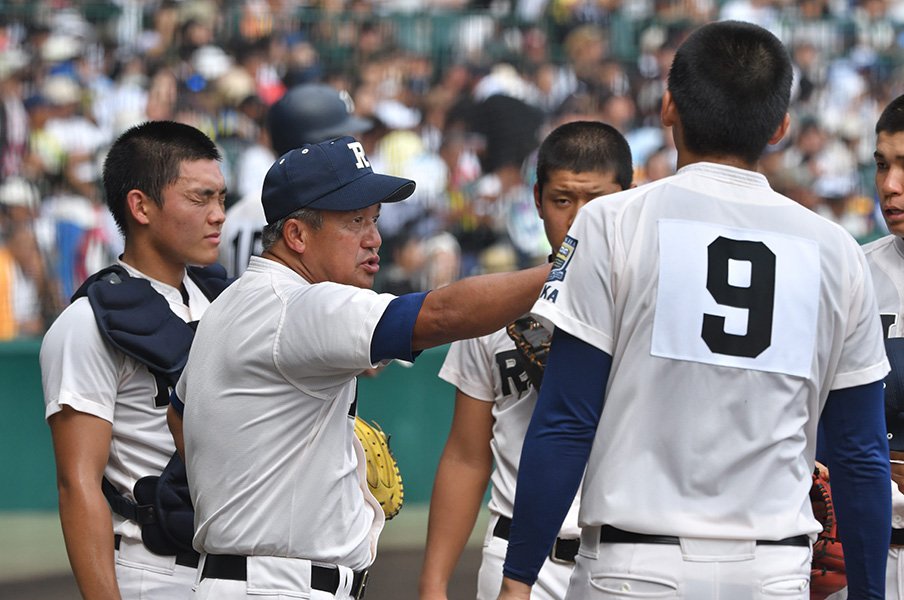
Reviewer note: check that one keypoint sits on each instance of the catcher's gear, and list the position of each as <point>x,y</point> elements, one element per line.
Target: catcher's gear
<point>532,341</point>
<point>383,477</point>
<point>827,573</point>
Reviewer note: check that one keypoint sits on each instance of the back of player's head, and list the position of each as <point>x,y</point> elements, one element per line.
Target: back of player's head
<point>149,157</point>
<point>892,118</point>
<point>582,146</point>
<point>731,84</point>
<point>310,113</point>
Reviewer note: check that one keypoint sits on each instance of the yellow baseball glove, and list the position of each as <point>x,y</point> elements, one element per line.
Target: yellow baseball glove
<point>383,477</point>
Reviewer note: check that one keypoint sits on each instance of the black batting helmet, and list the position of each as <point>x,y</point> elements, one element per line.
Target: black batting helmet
<point>310,113</point>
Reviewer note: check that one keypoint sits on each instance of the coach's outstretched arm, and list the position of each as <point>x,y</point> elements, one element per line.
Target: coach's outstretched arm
<point>476,306</point>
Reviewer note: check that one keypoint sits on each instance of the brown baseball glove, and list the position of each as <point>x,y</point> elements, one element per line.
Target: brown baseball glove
<point>827,573</point>
<point>532,341</point>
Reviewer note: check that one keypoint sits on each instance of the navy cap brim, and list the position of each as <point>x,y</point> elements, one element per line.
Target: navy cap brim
<point>367,190</point>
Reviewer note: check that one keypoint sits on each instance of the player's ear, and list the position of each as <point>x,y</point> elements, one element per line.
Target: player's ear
<point>668,114</point>
<point>138,205</point>
<point>781,130</point>
<point>537,201</point>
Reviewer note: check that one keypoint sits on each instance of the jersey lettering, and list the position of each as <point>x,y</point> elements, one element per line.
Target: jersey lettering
<point>512,372</point>
<point>245,245</point>
<point>756,295</point>
<point>549,294</point>
<point>360,158</point>
<point>736,297</point>
<point>161,399</point>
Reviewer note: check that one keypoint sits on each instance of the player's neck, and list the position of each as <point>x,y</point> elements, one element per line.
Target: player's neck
<point>155,267</point>
<point>688,158</point>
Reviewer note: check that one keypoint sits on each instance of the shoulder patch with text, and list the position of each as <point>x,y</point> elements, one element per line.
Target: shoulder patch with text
<point>563,257</point>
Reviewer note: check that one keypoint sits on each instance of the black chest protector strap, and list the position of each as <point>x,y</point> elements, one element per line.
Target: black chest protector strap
<point>137,320</point>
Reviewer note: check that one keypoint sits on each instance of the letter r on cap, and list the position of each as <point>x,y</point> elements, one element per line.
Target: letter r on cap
<point>360,158</point>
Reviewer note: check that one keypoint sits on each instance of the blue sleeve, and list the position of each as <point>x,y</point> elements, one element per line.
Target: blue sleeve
<point>856,452</point>
<point>392,336</point>
<point>555,451</point>
<point>177,403</point>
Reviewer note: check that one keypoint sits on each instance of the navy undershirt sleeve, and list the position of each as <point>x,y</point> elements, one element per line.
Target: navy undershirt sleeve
<point>177,403</point>
<point>555,451</point>
<point>392,336</point>
<point>855,449</point>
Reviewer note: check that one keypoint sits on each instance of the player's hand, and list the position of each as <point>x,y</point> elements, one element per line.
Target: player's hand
<point>514,590</point>
<point>897,469</point>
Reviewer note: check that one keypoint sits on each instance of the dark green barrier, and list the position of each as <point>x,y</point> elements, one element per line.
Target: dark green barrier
<point>411,404</point>
<point>26,469</point>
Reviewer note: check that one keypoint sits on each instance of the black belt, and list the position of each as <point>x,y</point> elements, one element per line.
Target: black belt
<point>183,559</point>
<point>613,535</point>
<point>324,579</point>
<point>897,537</point>
<point>563,550</point>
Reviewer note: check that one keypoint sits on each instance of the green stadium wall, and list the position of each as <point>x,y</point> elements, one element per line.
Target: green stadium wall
<point>409,402</point>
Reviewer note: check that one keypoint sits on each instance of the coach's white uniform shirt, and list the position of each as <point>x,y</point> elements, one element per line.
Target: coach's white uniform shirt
<point>273,463</point>
<point>725,340</point>
<point>487,368</point>
<point>81,370</point>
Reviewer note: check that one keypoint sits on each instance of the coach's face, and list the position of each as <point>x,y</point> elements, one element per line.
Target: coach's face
<point>344,249</point>
<point>889,157</point>
<point>564,193</point>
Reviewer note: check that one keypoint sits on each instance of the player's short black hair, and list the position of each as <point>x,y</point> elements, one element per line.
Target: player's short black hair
<point>582,146</point>
<point>149,157</point>
<point>892,118</point>
<point>731,84</point>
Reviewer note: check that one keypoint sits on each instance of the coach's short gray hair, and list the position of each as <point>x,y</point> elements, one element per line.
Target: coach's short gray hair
<point>273,231</point>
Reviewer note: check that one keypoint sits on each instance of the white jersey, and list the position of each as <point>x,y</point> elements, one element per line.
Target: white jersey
<point>886,261</point>
<point>81,370</point>
<point>885,257</point>
<point>273,463</point>
<point>730,312</point>
<point>490,369</point>
<point>241,234</point>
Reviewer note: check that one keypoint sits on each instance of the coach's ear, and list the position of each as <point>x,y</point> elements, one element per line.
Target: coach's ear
<point>781,131</point>
<point>295,235</point>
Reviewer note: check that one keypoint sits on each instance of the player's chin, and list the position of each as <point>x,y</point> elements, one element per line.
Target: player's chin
<point>205,257</point>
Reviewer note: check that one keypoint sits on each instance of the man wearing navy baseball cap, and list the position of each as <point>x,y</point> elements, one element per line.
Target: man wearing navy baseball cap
<point>268,393</point>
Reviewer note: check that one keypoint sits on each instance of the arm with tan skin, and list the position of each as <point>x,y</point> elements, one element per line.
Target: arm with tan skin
<point>476,306</point>
<point>174,422</point>
<point>461,480</point>
<point>81,444</point>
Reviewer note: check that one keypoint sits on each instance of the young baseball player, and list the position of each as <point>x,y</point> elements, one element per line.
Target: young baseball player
<point>276,472</point>
<point>703,325</point>
<point>106,406</point>
<point>577,162</point>
<point>886,260</point>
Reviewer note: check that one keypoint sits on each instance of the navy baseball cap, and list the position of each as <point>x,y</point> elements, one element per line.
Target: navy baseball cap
<point>331,175</point>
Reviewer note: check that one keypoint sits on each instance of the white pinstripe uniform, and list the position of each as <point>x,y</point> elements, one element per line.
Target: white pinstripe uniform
<point>487,368</point>
<point>81,370</point>
<point>886,261</point>
<point>729,311</point>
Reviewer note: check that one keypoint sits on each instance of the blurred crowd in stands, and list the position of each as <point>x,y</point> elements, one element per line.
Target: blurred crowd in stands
<point>459,94</point>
